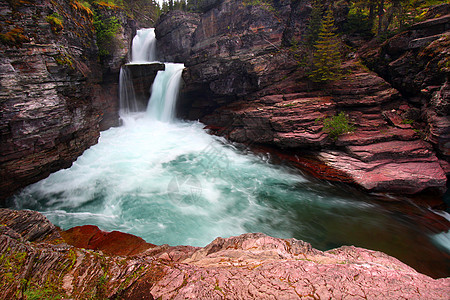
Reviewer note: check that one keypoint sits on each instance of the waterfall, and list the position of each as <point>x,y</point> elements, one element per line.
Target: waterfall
<point>127,96</point>
<point>173,183</point>
<point>164,91</point>
<point>143,49</point>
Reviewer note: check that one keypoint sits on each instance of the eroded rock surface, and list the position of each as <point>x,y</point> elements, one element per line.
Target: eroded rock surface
<point>243,267</point>
<point>416,63</point>
<point>243,81</point>
<point>53,102</point>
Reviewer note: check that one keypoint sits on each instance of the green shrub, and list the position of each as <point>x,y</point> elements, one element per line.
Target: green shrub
<point>337,125</point>
<point>106,30</point>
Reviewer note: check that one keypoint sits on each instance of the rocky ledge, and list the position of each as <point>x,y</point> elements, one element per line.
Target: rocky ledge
<point>53,98</point>
<point>243,81</point>
<point>37,260</point>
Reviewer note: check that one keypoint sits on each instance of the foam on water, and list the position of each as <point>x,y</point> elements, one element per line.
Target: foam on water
<point>143,48</point>
<point>169,181</point>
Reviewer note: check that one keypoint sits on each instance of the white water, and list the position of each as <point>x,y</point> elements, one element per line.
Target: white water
<point>143,49</point>
<point>127,96</point>
<point>165,92</point>
<point>168,181</point>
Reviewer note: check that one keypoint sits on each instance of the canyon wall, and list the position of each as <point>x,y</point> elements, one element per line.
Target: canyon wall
<point>55,94</point>
<point>245,80</point>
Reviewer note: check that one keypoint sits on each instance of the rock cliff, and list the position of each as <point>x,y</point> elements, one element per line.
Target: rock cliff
<point>38,261</point>
<point>53,101</point>
<point>243,81</point>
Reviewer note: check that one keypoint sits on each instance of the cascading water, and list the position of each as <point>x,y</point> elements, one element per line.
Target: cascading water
<point>143,49</point>
<point>164,93</point>
<point>127,96</point>
<point>171,182</point>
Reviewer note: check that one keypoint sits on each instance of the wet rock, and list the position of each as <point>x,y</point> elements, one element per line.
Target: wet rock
<point>248,266</point>
<point>29,225</point>
<point>174,32</point>
<point>404,176</point>
<point>55,97</point>
<point>142,77</point>
<point>115,243</point>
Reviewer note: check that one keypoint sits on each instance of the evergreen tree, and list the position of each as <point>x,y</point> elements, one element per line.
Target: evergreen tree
<point>315,22</point>
<point>326,57</point>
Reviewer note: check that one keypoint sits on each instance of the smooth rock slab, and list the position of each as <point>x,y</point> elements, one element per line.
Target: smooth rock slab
<point>249,266</point>
<point>407,176</point>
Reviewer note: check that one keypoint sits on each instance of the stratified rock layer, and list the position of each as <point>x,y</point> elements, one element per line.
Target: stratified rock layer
<point>245,267</point>
<point>244,83</point>
<point>52,101</point>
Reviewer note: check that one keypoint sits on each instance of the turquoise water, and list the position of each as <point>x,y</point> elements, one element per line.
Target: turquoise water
<point>170,182</point>
<point>174,183</point>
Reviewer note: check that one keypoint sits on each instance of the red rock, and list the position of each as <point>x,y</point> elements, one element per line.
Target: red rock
<point>391,150</point>
<point>395,176</point>
<point>363,137</point>
<point>248,266</point>
<point>113,243</point>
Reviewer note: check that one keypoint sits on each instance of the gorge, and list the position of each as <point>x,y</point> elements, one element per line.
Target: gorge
<point>171,181</point>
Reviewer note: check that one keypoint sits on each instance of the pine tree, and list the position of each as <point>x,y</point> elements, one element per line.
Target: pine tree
<point>315,21</point>
<point>326,57</point>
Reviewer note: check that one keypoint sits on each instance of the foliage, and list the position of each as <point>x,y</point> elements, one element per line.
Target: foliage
<point>315,23</point>
<point>14,37</point>
<point>265,4</point>
<point>326,57</point>
<point>358,22</point>
<point>82,7</point>
<point>106,30</point>
<point>386,17</point>
<point>56,22</point>
<point>337,125</point>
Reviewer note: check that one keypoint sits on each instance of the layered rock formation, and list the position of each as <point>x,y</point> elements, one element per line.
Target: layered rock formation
<point>141,77</point>
<point>37,262</point>
<point>416,62</point>
<point>53,101</point>
<point>243,82</point>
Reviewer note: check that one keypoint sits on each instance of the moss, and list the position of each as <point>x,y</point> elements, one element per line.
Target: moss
<point>290,105</point>
<point>109,4</point>
<point>14,37</point>
<point>64,59</point>
<point>56,23</point>
<point>407,121</point>
<point>11,264</point>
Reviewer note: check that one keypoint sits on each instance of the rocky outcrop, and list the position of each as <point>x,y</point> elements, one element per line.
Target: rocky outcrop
<point>416,63</point>
<point>243,81</point>
<point>254,265</point>
<point>383,153</point>
<point>53,102</point>
<point>174,34</point>
<point>141,76</point>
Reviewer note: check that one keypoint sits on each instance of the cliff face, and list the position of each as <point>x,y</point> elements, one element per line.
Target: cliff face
<point>52,104</point>
<point>37,261</point>
<point>243,81</point>
<point>416,62</point>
